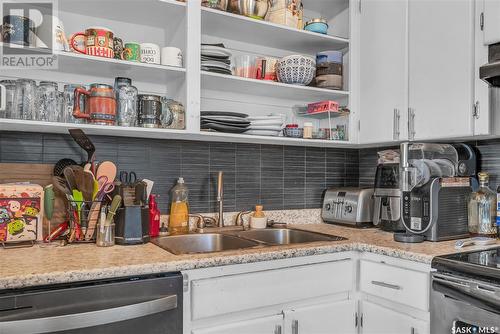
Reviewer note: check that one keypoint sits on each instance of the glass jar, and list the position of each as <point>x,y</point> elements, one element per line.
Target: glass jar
<point>69,100</point>
<point>126,102</point>
<point>178,114</point>
<point>46,102</point>
<point>10,99</point>
<point>482,209</point>
<point>25,99</point>
<point>308,130</point>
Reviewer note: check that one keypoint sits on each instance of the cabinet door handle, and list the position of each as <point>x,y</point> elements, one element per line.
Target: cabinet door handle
<point>386,285</point>
<point>412,330</point>
<point>277,329</point>
<point>396,131</point>
<point>295,327</point>
<point>411,124</point>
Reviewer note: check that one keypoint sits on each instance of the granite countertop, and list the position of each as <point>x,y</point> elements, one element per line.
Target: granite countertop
<point>24,267</point>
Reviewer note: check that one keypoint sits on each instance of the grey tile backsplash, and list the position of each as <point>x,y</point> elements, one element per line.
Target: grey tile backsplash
<point>279,177</point>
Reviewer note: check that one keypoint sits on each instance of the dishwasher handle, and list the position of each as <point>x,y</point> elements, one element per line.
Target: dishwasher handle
<point>89,319</point>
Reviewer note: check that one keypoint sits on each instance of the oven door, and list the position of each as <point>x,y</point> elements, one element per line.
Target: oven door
<point>463,305</point>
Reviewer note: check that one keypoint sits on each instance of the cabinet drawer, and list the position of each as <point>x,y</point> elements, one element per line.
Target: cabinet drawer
<point>396,284</point>
<point>228,294</point>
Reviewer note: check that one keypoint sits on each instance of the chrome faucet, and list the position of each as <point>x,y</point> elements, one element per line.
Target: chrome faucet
<point>220,199</point>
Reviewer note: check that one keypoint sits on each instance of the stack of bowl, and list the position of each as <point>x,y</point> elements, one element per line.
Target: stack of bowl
<point>329,70</point>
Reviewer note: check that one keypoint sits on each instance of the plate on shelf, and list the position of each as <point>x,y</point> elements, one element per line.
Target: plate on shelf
<point>223,128</point>
<point>270,133</point>
<point>266,127</point>
<point>223,113</point>
<point>267,122</point>
<point>217,70</point>
<point>226,119</point>
<point>217,64</point>
<point>215,51</point>
<point>236,125</point>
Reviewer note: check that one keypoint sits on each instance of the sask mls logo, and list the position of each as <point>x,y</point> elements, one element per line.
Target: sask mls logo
<point>30,34</point>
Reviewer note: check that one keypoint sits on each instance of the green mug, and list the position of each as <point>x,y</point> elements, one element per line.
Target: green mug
<point>131,51</point>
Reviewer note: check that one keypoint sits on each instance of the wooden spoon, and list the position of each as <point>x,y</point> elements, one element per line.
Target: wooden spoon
<point>108,169</point>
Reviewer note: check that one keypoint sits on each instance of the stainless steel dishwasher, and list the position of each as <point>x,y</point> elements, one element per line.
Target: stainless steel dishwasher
<point>144,304</point>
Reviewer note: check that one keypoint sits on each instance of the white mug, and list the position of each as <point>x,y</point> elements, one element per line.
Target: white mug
<point>51,32</point>
<point>150,53</point>
<point>171,56</point>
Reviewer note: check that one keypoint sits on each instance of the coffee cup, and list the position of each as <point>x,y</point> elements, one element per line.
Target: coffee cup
<point>131,51</point>
<point>171,56</point>
<point>150,53</point>
<point>98,42</point>
<point>17,29</point>
<point>51,30</point>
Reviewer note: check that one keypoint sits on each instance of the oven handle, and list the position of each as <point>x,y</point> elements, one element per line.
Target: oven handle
<point>457,291</point>
<point>89,319</point>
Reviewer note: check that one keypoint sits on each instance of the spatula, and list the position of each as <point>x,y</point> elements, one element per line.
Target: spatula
<point>81,139</point>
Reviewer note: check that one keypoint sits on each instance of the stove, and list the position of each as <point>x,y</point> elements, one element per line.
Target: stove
<point>484,264</point>
<point>465,296</point>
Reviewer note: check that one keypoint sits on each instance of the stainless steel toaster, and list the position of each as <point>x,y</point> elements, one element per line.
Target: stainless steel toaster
<point>348,206</point>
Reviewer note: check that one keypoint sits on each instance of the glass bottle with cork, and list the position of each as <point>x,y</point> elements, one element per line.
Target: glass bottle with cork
<point>483,209</point>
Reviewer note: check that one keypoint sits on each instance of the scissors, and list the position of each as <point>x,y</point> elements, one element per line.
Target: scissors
<point>128,178</point>
<point>105,187</point>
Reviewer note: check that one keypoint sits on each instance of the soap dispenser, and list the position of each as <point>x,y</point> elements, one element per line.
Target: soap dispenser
<point>258,219</point>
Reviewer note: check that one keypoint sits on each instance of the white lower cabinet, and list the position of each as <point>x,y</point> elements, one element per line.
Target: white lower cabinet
<point>377,319</point>
<point>326,318</point>
<point>265,325</point>
<point>341,293</point>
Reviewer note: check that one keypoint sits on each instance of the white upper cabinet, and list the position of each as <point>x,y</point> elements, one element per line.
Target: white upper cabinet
<point>491,21</point>
<point>383,70</point>
<point>441,68</point>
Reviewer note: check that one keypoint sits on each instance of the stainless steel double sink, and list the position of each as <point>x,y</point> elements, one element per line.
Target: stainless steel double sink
<point>218,242</point>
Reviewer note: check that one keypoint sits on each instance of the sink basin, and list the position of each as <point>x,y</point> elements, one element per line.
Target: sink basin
<point>202,243</point>
<point>283,236</point>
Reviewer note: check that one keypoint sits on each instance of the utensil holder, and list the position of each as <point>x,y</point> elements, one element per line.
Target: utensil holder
<point>132,225</point>
<point>105,235</point>
<point>83,216</point>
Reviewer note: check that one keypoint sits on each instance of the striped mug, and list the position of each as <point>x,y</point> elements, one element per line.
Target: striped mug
<point>98,42</point>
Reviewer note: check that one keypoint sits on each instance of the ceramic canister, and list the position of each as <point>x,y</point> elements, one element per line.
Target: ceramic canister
<point>171,56</point>
<point>150,53</point>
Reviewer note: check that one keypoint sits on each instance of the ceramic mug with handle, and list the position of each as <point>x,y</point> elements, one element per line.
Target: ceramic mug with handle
<point>171,56</point>
<point>150,53</point>
<point>51,30</point>
<point>98,42</point>
<point>132,51</point>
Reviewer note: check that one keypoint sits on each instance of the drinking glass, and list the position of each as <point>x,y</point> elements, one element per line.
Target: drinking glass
<point>25,99</point>
<point>46,102</point>
<point>244,66</point>
<point>127,105</point>
<point>69,100</point>
<point>10,98</point>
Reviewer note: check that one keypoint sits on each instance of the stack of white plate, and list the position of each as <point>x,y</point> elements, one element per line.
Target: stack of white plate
<point>215,58</point>
<point>271,125</point>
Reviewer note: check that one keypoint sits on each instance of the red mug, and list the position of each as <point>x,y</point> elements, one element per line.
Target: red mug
<point>98,42</point>
<point>100,104</point>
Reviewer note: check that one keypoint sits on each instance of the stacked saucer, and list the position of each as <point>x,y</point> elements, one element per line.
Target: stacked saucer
<point>224,121</point>
<point>215,58</point>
